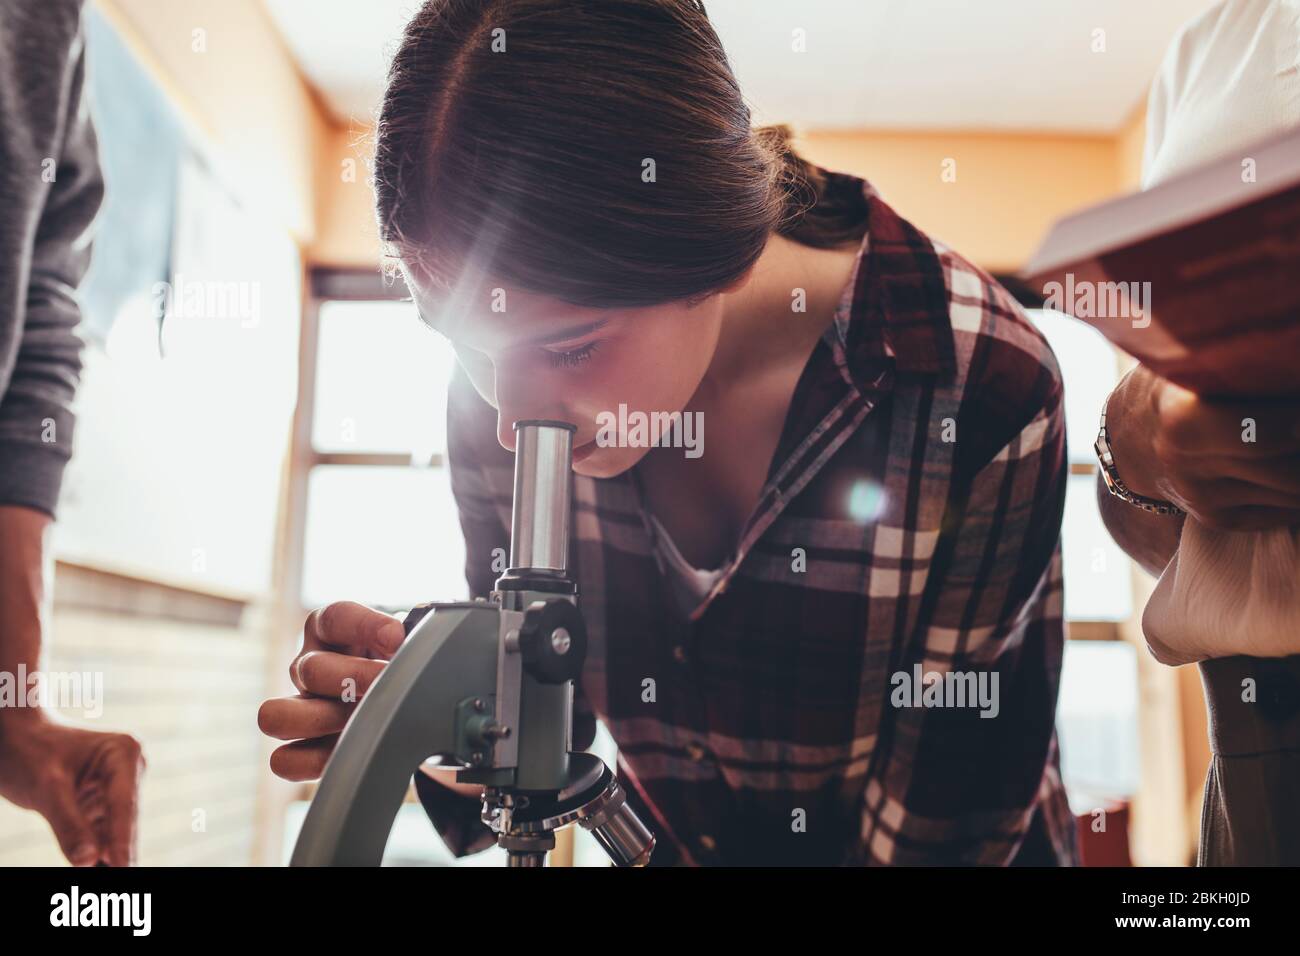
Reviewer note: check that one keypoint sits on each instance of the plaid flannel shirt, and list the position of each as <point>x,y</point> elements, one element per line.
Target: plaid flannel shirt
<point>921,476</point>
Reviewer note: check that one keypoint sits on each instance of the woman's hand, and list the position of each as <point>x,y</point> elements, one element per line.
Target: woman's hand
<point>1231,465</point>
<point>345,648</point>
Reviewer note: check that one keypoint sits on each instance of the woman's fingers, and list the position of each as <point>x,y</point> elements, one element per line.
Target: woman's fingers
<point>328,674</point>
<point>291,718</point>
<point>353,629</point>
<point>345,646</point>
<point>303,759</point>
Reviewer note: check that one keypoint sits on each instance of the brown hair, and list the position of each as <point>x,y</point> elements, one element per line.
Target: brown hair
<point>514,134</point>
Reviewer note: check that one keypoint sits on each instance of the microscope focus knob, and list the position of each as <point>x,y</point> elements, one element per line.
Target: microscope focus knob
<point>553,641</point>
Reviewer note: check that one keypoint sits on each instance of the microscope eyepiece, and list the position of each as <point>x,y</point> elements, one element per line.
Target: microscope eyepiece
<point>539,522</point>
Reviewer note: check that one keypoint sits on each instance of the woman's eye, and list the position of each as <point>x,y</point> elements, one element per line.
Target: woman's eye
<point>572,357</point>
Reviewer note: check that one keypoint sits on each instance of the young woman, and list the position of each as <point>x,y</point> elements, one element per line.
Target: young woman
<point>831,632</point>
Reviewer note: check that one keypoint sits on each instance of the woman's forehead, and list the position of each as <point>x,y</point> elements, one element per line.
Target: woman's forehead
<point>489,316</point>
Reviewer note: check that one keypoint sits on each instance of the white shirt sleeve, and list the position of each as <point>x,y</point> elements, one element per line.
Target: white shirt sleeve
<point>1229,79</point>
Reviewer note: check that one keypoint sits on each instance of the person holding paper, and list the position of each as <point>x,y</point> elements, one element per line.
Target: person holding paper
<point>1208,495</point>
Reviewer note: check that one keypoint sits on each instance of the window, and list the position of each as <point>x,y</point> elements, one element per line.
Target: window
<point>1097,572</point>
<point>380,525</point>
<point>1098,722</point>
<point>1097,713</point>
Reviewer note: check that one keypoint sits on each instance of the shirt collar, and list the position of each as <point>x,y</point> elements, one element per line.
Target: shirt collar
<point>894,311</point>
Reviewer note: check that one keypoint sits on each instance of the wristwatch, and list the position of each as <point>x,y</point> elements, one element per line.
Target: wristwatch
<point>1117,487</point>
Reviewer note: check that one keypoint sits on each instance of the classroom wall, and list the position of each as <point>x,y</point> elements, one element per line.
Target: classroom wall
<point>184,674</point>
<point>348,236</point>
<point>990,196</point>
<point>1129,144</point>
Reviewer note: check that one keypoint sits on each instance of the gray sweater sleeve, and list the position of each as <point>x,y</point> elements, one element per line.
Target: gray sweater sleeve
<point>50,191</point>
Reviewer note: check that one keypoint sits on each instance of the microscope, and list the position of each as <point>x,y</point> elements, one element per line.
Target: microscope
<point>485,686</point>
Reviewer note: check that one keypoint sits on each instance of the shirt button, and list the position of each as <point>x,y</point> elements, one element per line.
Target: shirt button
<point>679,654</point>
<point>708,842</point>
<point>695,751</point>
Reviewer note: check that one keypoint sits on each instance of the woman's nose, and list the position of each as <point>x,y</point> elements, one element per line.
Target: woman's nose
<point>519,402</point>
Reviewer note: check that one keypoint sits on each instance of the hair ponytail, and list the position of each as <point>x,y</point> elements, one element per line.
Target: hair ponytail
<point>813,212</point>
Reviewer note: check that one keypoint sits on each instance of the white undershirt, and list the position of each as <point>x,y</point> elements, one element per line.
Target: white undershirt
<point>690,584</point>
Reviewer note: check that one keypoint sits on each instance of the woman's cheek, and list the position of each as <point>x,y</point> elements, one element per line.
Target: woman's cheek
<point>625,377</point>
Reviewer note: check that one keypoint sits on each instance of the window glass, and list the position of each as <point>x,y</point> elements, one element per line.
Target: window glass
<point>387,537</point>
<point>1097,718</point>
<point>381,380</point>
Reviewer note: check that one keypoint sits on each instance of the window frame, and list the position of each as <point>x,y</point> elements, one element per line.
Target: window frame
<point>322,285</point>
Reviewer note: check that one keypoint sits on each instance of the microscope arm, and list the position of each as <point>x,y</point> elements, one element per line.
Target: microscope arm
<point>413,712</point>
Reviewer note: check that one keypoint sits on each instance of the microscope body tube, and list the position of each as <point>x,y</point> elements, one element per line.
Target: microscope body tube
<point>539,520</point>
<point>539,549</point>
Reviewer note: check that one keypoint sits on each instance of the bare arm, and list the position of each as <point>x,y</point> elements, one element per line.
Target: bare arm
<point>24,572</point>
<point>1231,465</point>
<point>1148,539</point>
<point>85,783</point>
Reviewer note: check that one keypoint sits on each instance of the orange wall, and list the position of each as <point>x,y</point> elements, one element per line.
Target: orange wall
<point>242,92</point>
<point>1008,187</point>
<point>1129,143</point>
<point>348,235</point>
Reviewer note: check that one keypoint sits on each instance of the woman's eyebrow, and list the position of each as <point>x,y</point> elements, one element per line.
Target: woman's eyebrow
<point>563,335</point>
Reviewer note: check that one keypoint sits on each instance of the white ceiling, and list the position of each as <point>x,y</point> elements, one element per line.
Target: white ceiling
<point>905,64</point>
